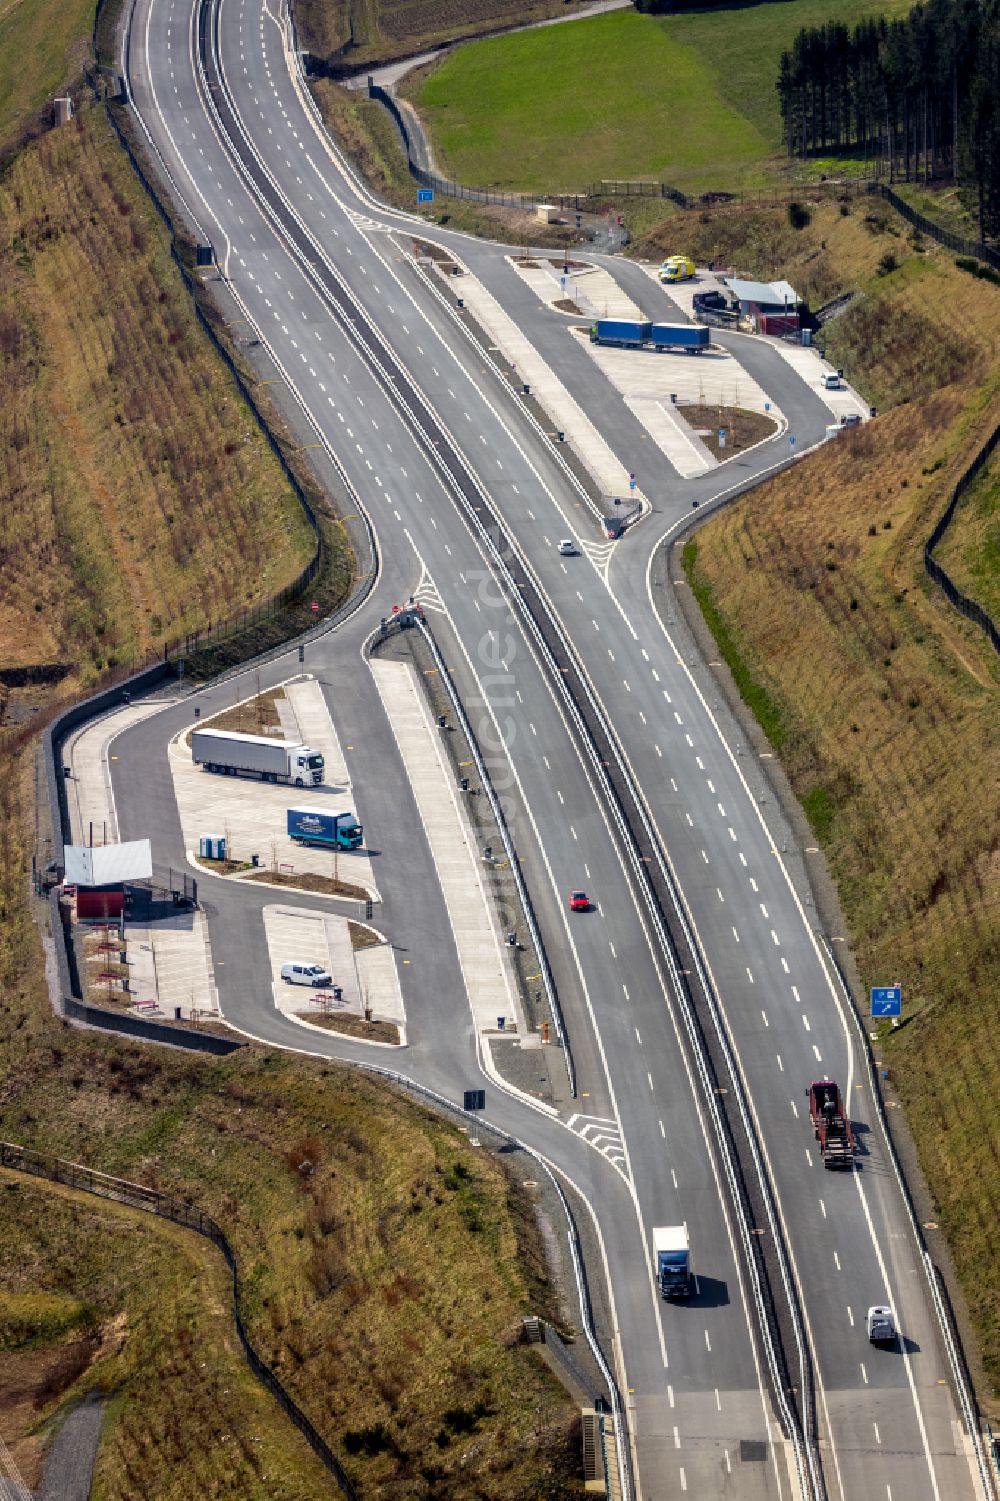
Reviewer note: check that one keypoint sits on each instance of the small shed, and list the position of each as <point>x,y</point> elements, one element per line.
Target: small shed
<point>107,864</point>
<point>775,301</point>
<point>547,212</point>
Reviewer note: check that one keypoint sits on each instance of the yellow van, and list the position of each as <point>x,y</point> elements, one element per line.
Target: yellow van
<point>677,268</point>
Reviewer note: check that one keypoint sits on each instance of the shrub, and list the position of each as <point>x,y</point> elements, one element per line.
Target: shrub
<point>887,264</point>
<point>798,215</point>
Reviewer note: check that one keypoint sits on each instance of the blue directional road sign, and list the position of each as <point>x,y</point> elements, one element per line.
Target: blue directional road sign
<point>887,1000</point>
<point>425,195</point>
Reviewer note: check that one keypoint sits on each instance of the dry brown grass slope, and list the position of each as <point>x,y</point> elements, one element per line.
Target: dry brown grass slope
<point>884,705</point>
<point>140,498</point>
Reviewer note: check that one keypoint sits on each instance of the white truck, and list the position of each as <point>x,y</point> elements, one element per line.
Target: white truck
<point>671,1252</point>
<point>231,753</point>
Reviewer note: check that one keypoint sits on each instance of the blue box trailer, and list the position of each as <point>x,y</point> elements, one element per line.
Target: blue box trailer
<point>689,336</point>
<point>319,826</point>
<point>628,333</point>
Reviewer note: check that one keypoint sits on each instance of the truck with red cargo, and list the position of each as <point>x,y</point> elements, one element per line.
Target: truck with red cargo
<point>833,1129</point>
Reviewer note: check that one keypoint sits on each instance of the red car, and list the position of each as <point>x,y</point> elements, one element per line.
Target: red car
<point>579,901</point>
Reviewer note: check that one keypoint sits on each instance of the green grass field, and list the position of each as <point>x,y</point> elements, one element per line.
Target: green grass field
<point>42,45</point>
<point>690,99</point>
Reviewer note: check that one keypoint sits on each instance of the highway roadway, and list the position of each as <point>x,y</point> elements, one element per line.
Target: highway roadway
<point>424,430</point>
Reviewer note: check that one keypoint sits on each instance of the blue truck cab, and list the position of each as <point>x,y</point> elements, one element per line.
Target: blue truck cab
<point>318,826</point>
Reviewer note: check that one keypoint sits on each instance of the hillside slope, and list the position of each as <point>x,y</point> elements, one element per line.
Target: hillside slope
<point>141,497</point>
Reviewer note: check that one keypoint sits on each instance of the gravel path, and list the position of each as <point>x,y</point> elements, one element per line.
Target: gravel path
<point>69,1464</point>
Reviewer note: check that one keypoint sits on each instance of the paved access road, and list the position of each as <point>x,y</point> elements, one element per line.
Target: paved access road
<point>322,272</point>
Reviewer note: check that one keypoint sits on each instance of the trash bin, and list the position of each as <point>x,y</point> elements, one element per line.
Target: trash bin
<point>501,1023</point>
<point>255,861</point>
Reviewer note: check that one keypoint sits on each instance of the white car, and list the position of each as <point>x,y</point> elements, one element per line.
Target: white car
<point>567,549</point>
<point>306,974</point>
<point>831,380</point>
<point>880,1325</point>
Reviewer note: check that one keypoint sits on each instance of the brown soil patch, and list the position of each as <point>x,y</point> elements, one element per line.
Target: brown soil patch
<point>743,428</point>
<point>352,1026</point>
<point>307,881</point>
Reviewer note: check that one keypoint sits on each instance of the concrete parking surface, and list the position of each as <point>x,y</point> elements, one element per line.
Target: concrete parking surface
<point>252,814</point>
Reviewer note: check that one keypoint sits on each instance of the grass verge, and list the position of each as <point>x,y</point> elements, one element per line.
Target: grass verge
<point>752,690</point>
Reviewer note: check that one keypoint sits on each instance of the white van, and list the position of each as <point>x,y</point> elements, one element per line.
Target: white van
<point>306,974</point>
<point>831,380</point>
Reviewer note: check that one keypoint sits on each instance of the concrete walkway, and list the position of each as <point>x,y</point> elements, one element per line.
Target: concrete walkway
<point>489,984</point>
<point>301,935</point>
<point>595,290</point>
<point>564,412</point>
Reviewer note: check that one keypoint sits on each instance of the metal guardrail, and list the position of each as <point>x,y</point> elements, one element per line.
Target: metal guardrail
<point>151,1201</point>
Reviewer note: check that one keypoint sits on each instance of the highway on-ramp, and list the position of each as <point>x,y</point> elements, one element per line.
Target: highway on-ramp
<point>426,432</point>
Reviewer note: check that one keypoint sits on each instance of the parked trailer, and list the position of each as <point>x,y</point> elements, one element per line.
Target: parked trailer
<point>833,1129</point>
<point>320,827</point>
<point>672,1251</point>
<point>231,753</point>
<point>691,337</point>
<point>625,333</point>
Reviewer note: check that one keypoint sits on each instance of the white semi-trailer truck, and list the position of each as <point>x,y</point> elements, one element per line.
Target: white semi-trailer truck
<point>672,1252</point>
<point>234,754</point>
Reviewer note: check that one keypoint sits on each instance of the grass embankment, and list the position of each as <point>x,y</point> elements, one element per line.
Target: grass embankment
<point>43,47</point>
<point>354,32</point>
<point>386,1265</point>
<point>97,1295</point>
<point>970,548</point>
<point>882,700</point>
<point>371,141</point>
<point>142,499</point>
<point>688,99</point>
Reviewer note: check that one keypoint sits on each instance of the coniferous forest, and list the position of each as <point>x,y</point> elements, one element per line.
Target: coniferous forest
<point>918,98</point>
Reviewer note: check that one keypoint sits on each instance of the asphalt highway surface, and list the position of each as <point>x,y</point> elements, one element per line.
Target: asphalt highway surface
<point>427,433</point>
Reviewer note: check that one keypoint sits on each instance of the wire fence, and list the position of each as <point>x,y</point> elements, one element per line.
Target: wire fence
<point>937,232</point>
<point>165,1206</point>
<point>968,607</point>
